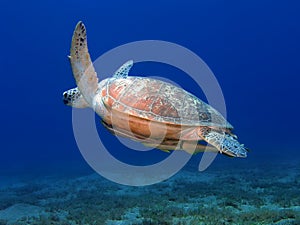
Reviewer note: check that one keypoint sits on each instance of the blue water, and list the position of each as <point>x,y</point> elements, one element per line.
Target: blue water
<point>252,47</point>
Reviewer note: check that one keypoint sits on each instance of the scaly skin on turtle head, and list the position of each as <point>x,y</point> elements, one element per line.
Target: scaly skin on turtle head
<point>73,98</point>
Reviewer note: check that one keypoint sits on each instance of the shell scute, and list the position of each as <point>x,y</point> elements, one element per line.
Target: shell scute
<point>159,101</point>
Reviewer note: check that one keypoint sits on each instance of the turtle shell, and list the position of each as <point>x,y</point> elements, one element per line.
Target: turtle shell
<point>156,100</point>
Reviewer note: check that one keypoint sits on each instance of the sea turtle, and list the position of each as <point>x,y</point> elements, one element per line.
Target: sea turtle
<point>150,111</point>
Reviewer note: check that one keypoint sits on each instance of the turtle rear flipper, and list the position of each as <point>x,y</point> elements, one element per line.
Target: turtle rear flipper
<point>224,142</point>
<point>82,66</point>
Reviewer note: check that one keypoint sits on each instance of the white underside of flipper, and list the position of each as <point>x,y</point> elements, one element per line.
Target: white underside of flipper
<point>82,66</point>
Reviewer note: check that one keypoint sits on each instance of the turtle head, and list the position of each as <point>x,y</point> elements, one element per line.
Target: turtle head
<point>74,98</point>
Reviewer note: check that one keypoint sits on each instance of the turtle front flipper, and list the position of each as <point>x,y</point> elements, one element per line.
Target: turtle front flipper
<point>123,71</point>
<point>224,142</point>
<point>82,66</point>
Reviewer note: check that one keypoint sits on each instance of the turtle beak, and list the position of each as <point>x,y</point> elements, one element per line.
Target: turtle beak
<point>65,98</point>
<point>65,101</point>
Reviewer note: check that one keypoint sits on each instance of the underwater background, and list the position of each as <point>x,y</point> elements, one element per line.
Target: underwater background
<point>252,47</point>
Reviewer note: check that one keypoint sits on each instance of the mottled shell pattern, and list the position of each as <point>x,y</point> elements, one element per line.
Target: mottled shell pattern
<point>157,100</point>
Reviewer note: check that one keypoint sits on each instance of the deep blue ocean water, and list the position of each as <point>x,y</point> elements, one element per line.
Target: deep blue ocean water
<point>252,47</point>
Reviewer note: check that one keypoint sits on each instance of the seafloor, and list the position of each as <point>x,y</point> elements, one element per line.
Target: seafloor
<point>253,193</point>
